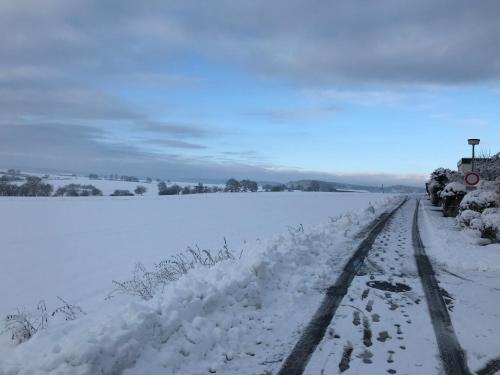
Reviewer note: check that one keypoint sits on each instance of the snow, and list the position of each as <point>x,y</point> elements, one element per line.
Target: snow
<point>478,200</point>
<point>470,273</point>
<point>452,189</point>
<point>242,315</point>
<point>106,186</point>
<point>457,247</point>
<point>490,218</point>
<point>467,216</point>
<point>215,318</point>
<point>401,338</point>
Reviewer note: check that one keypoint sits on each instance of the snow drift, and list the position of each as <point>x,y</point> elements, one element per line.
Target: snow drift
<point>206,321</point>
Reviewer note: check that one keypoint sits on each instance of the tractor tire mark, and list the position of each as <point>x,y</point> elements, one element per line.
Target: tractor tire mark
<point>452,354</point>
<point>491,367</point>
<point>300,355</point>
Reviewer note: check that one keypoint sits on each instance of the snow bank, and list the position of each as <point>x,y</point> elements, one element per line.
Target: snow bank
<point>74,247</point>
<point>206,321</point>
<point>454,247</point>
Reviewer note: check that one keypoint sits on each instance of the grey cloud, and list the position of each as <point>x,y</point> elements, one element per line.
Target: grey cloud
<point>248,155</point>
<point>63,103</point>
<point>58,141</point>
<point>446,42</point>
<point>156,80</point>
<point>174,143</point>
<point>403,42</point>
<point>56,146</point>
<point>295,114</point>
<point>178,130</point>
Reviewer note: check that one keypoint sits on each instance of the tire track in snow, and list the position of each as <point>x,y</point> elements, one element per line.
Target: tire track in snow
<point>452,354</point>
<point>491,367</point>
<point>297,360</point>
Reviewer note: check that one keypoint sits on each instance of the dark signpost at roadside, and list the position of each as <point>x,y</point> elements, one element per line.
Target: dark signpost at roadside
<point>473,142</point>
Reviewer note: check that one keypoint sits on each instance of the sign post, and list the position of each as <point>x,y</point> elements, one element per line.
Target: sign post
<point>473,142</point>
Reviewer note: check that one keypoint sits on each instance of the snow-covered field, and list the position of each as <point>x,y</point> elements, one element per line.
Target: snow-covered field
<point>199,323</point>
<point>75,247</point>
<point>238,316</point>
<point>106,186</point>
<point>109,186</point>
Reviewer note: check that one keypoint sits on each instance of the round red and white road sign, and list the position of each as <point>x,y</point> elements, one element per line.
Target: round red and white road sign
<point>472,178</point>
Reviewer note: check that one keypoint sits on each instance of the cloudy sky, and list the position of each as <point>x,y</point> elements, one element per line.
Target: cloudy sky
<point>356,91</point>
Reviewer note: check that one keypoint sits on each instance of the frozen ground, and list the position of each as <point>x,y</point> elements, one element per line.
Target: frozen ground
<point>379,330</point>
<point>238,315</point>
<point>245,316</point>
<point>470,275</point>
<point>109,186</point>
<point>74,247</point>
<point>106,186</point>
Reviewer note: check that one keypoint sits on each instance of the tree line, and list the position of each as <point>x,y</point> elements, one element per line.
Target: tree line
<point>232,185</point>
<point>36,187</point>
<point>164,189</point>
<point>33,187</point>
<point>117,177</point>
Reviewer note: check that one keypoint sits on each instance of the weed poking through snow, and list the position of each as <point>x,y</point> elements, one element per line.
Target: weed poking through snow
<point>69,311</point>
<point>23,325</point>
<point>145,283</point>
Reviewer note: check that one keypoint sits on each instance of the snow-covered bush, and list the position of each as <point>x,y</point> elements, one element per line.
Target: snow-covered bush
<point>438,180</point>
<point>489,168</point>
<point>453,189</point>
<point>467,216</point>
<point>490,224</point>
<point>479,211</point>
<point>434,190</point>
<point>451,196</point>
<point>479,200</point>
<point>491,211</point>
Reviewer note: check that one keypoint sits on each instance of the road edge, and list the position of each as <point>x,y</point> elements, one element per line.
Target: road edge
<point>451,353</point>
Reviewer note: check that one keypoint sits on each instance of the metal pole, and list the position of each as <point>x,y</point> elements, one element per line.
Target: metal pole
<point>473,147</point>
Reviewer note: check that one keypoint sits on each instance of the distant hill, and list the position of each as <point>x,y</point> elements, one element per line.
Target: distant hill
<point>337,186</point>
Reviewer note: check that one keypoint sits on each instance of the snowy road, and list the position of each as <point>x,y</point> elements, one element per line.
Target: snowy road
<point>394,316</point>
<point>382,324</point>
